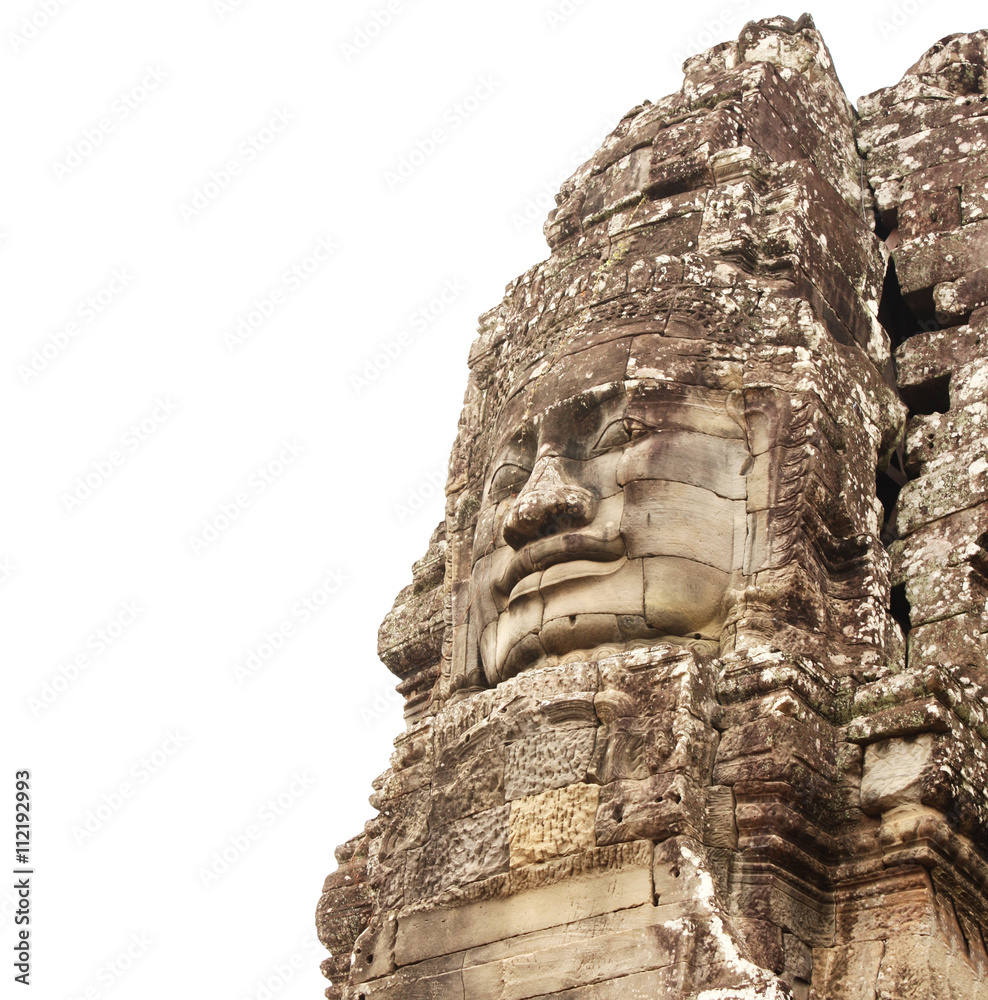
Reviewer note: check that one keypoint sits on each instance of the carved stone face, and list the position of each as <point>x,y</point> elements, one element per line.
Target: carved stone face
<point>610,517</point>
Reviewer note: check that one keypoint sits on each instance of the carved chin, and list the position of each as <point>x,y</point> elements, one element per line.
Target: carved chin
<point>622,605</point>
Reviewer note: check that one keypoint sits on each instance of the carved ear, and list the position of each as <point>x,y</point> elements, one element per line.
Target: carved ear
<point>735,409</point>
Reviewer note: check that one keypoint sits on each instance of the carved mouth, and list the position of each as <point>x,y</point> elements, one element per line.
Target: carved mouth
<point>545,552</point>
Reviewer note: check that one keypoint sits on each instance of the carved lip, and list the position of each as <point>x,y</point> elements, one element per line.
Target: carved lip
<point>540,555</point>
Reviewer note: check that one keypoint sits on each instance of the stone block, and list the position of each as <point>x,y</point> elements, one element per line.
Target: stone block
<point>931,259</point>
<point>547,760</point>
<point>374,951</point>
<point>657,807</point>
<point>960,643</point>
<point>951,482</point>
<point>459,853</point>
<point>468,779</point>
<point>895,772</point>
<point>554,823</point>
<point>624,883</point>
<point>955,300</point>
<point>719,826</point>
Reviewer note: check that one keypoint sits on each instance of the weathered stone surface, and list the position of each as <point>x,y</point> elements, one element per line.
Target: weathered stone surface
<point>894,772</point>
<point>955,480</point>
<point>719,826</point>
<point>344,910</point>
<point>554,760</point>
<point>411,636</point>
<point>926,261</point>
<point>655,808</point>
<point>467,780</point>
<point>962,640</point>
<point>956,64</point>
<point>696,669</point>
<point>554,823</point>
<point>955,300</point>
<point>619,878</point>
<point>462,851</point>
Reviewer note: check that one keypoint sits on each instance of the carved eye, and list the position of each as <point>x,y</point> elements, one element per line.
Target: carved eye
<point>509,478</point>
<point>620,433</point>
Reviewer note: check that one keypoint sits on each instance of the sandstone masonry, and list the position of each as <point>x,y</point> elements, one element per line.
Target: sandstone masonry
<point>696,666</point>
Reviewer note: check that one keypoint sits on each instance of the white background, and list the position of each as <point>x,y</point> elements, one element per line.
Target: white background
<point>143,875</point>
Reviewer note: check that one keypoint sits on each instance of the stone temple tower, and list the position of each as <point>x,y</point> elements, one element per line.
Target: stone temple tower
<point>695,667</point>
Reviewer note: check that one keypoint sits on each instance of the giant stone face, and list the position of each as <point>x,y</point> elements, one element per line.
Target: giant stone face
<point>611,516</point>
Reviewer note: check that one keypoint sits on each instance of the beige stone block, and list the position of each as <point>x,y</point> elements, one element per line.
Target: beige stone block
<point>500,559</point>
<point>657,807</point>
<point>912,966</point>
<point>684,598</point>
<point>673,406</point>
<point>585,894</point>
<point>636,748</point>
<point>467,780</point>
<point>556,822</point>
<point>550,685</point>
<point>847,967</point>
<point>601,366</point>
<point>667,982</point>
<point>374,951</point>
<point>488,644</point>
<point>631,748</point>
<point>575,632</point>
<point>517,631</point>
<point>758,543</point>
<point>894,772</point>
<point>703,460</point>
<point>484,607</point>
<point>577,960</point>
<point>583,586</point>
<point>674,519</point>
<point>763,479</point>
<point>798,957</point>
<point>515,981</point>
<point>901,908</point>
<point>472,715</point>
<point>600,475</point>
<point>620,922</point>
<point>781,900</point>
<point>672,677</point>
<point>677,879</point>
<point>408,825</point>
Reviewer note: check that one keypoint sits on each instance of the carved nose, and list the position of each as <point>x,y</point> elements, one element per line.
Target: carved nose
<point>548,505</point>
